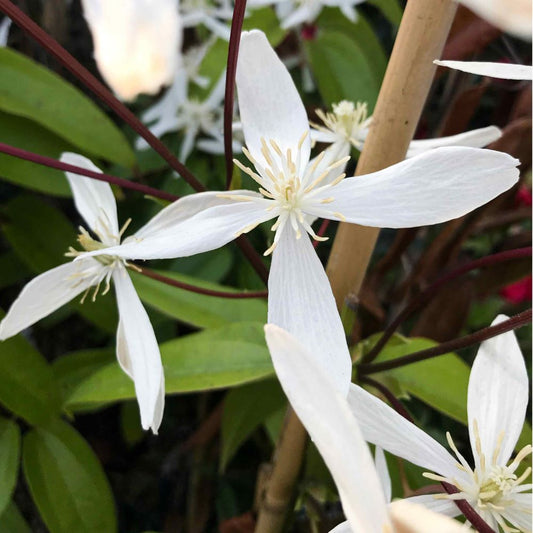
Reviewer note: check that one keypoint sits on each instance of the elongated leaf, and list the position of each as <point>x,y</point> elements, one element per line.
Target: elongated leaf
<point>197,309</point>
<point>246,408</point>
<point>12,521</point>
<point>67,482</point>
<point>9,460</point>
<point>12,269</point>
<point>29,90</point>
<point>27,384</point>
<point>391,9</point>
<point>15,131</point>
<point>213,359</point>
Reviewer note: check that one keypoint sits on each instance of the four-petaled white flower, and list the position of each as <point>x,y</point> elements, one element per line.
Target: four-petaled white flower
<point>209,13</point>
<point>505,71</point>
<point>348,124</point>
<point>136,43</point>
<point>434,187</point>
<point>497,402</point>
<point>331,425</point>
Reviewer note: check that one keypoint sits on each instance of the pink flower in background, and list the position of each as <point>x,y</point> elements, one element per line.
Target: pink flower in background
<point>517,292</point>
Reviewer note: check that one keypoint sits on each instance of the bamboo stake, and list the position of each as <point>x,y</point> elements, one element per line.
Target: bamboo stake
<point>421,37</point>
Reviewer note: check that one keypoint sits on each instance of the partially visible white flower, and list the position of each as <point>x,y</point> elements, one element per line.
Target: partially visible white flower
<point>5,25</point>
<point>511,16</point>
<point>209,13</point>
<point>294,12</point>
<point>136,43</point>
<point>348,124</point>
<point>497,402</point>
<point>506,71</point>
<point>327,417</point>
<point>434,187</point>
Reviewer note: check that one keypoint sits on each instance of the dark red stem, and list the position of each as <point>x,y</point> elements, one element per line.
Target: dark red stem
<point>395,403</point>
<point>59,165</point>
<point>425,295</point>
<point>78,70</point>
<point>233,54</point>
<point>519,320</point>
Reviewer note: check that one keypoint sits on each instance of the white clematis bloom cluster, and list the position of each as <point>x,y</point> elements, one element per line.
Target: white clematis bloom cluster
<point>213,14</point>
<point>136,43</point>
<point>333,428</point>
<point>434,187</point>
<point>497,401</point>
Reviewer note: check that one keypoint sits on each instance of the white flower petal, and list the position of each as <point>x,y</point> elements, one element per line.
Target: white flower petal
<point>218,28</point>
<point>497,395</point>
<point>383,426</point>
<point>383,472</point>
<point>44,294</point>
<point>301,14</point>
<point>300,300</point>
<point>474,138</point>
<point>5,25</point>
<point>269,103</point>
<point>505,71</point>
<point>324,136</point>
<point>138,351</point>
<point>438,505</point>
<point>93,199</point>
<point>343,527</point>
<point>433,187</point>
<point>169,235</point>
<point>412,518</point>
<point>327,418</point>
<point>520,514</point>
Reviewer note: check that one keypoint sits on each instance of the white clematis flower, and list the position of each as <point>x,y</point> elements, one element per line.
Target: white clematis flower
<point>505,71</point>
<point>331,425</point>
<point>436,186</point>
<point>209,13</point>
<point>348,124</point>
<point>136,43</point>
<point>497,402</point>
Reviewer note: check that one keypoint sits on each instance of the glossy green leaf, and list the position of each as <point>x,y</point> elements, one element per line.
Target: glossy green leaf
<point>40,235</point>
<point>245,408</point>
<point>391,9</point>
<point>197,309</point>
<point>342,69</point>
<point>67,482</point>
<point>59,107</point>
<point>27,384</point>
<point>9,460</point>
<point>12,521</point>
<point>14,131</point>
<point>213,359</point>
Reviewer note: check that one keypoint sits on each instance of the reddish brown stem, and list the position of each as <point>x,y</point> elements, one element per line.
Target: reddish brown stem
<point>97,88</point>
<point>394,402</point>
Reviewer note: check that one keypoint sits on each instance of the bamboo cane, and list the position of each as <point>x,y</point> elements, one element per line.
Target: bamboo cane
<point>421,37</point>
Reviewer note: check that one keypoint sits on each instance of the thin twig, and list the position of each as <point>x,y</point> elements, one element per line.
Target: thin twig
<point>97,88</point>
<point>394,402</point>
<point>100,176</point>
<point>233,54</point>
<point>430,291</point>
<point>517,321</point>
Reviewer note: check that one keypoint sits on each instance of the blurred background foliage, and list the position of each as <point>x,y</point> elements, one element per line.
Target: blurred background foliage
<point>72,454</point>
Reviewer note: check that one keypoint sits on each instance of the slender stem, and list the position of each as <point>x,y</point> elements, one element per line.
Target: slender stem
<point>233,54</point>
<point>59,165</point>
<point>99,90</point>
<point>321,230</point>
<point>517,321</point>
<point>200,290</point>
<point>425,295</point>
<point>395,403</point>
<point>253,257</point>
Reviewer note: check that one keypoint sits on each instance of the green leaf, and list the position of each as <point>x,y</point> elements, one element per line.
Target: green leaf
<point>15,131</point>
<point>12,521</point>
<point>12,269</point>
<point>265,19</point>
<point>213,359</point>
<point>245,408</point>
<point>27,384</point>
<point>342,69</point>
<point>67,482</point>
<point>9,460</point>
<point>391,9</point>
<point>59,107</point>
<point>198,310</point>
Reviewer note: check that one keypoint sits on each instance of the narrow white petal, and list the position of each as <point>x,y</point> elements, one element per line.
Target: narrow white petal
<point>438,505</point>
<point>327,418</point>
<point>505,71</point>
<point>93,199</point>
<point>383,472</point>
<point>433,187</point>
<point>300,300</point>
<point>210,229</point>
<point>324,136</point>
<point>300,15</point>
<point>269,103</point>
<point>44,294</point>
<point>138,352</point>
<point>412,518</point>
<point>218,28</point>
<point>497,395</point>
<point>474,138</point>
<point>383,426</point>
<point>520,513</point>
<point>343,527</point>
